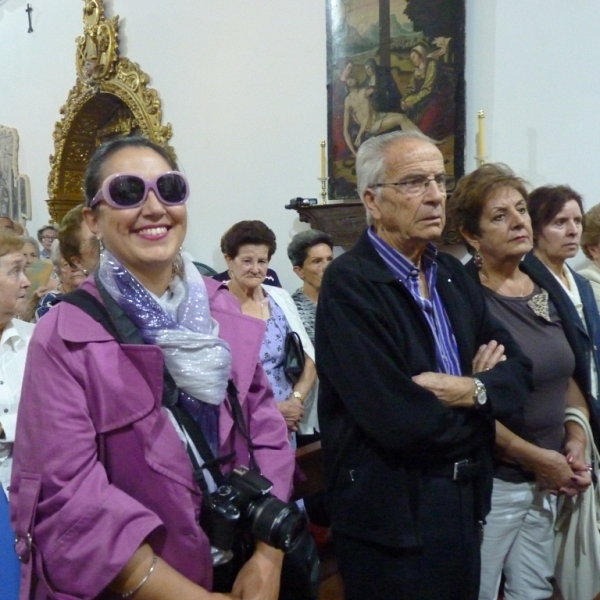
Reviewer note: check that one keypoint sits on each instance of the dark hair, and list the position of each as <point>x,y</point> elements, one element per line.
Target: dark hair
<point>302,242</point>
<point>247,232</point>
<point>591,230</point>
<point>93,174</point>
<point>465,206</point>
<point>41,230</point>
<point>545,202</point>
<point>371,62</point>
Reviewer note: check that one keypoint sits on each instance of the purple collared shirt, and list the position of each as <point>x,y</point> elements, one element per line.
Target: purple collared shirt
<point>433,310</point>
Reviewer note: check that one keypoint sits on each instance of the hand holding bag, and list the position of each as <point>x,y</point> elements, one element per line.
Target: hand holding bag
<point>294,357</point>
<point>577,530</point>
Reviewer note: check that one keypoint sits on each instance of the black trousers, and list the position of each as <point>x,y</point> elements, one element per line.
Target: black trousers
<point>447,565</point>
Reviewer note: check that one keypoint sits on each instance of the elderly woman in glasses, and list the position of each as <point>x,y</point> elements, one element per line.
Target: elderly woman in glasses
<point>70,279</point>
<point>78,245</point>
<point>536,457</point>
<point>107,479</point>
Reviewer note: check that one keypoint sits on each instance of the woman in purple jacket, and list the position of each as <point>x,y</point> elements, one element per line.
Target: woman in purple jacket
<point>104,501</point>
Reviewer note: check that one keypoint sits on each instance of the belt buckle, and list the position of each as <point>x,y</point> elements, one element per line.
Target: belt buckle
<point>457,466</point>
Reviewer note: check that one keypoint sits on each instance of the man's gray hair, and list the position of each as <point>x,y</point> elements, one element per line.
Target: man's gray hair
<point>371,159</point>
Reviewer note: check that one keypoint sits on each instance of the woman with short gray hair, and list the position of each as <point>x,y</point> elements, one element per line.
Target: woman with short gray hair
<point>310,252</point>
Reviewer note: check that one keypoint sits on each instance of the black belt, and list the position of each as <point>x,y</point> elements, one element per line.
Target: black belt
<point>458,471</point>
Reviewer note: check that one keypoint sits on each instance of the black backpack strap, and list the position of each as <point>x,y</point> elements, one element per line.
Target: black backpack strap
<point>238,419</point>
<point>93,307</point>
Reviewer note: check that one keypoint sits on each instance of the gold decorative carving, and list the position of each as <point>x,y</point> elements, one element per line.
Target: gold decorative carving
<point>110,98</point>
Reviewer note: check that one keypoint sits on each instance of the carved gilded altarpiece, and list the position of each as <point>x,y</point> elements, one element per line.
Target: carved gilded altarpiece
<point>110,98</point>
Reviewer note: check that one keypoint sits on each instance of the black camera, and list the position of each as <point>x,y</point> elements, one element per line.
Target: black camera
<point>244,502</point>
<point>300,202</point>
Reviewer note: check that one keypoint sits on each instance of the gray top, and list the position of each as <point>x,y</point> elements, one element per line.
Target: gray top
<point>308,311</point>
<point>536,327</point>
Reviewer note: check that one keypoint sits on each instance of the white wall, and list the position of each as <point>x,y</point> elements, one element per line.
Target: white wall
<point>243,84</point>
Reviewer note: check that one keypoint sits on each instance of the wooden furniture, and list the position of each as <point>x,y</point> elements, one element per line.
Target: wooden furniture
<point>309,459</point>
<point>343,222</point>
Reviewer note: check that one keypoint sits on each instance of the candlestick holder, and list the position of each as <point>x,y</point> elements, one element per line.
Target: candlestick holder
<point>323,181</point>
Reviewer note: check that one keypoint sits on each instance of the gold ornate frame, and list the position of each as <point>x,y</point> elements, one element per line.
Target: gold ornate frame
<point>110,98</point>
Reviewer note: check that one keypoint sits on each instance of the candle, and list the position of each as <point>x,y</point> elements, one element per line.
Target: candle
<point>480,137</point>
<point>323,161</point>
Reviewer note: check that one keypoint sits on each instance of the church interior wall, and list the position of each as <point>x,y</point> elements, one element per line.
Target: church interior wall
<point>243,85</point>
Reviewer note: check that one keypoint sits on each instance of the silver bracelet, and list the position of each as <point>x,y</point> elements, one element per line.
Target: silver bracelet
<point>143,581</point>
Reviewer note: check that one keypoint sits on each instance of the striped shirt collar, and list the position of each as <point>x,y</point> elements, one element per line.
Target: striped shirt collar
<point>402,267</point>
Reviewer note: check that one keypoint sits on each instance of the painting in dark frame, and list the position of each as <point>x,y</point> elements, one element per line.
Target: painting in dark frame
<point>393,65</point>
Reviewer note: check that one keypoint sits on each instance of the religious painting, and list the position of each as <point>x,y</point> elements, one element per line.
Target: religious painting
<point>393,65</point>
<point>15,195</point>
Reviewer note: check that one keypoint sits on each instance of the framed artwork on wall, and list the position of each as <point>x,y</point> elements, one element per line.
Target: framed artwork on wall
<point>393,65</point>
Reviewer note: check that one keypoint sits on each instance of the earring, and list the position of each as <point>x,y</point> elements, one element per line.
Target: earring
<point>478,260</point>
<point>101,245</point>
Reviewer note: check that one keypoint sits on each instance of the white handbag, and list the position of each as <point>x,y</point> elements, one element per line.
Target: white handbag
<point>578,530</point>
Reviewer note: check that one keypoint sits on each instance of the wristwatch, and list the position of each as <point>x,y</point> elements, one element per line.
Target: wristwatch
<point>299,396</point>
<point>480,394</point>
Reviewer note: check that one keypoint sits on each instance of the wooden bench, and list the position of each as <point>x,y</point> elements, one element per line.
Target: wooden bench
<point>309,459</point>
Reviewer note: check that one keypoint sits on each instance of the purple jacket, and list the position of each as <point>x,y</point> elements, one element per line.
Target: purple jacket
<point>84,394</point>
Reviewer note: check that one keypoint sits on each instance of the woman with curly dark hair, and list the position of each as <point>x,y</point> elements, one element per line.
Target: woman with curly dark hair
<point>248,247</point>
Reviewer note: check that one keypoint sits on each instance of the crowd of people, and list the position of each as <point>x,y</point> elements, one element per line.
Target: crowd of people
<point>142,398</point>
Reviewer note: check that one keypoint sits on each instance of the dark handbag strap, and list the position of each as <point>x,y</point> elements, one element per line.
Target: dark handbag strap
<point>119,326</point>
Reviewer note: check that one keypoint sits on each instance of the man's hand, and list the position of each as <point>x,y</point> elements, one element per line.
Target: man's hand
<point>454,391</point>
<point>259,577</point>
<point>488,356</point>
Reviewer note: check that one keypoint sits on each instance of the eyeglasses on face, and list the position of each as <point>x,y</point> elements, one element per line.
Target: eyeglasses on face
<point>126,190</point>
<point>416,185</point>
<point>49,237</point>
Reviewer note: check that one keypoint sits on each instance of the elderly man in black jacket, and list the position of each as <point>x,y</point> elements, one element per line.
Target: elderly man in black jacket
<point>407,428</point>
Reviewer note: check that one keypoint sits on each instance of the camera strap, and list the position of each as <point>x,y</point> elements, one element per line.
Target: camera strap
<point>117,324</point>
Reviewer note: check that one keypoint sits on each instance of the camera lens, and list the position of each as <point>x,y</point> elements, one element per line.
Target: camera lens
<point>276,523</point>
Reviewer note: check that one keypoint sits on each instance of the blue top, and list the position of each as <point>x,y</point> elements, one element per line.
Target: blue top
<point>272,352</point>
<point>46,302</point>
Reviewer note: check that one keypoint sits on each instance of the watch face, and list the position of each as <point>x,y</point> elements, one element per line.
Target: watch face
<point>480,393</point>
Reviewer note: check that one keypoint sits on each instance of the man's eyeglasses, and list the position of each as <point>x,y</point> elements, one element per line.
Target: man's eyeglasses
<point>49,237</point>
<point>416,186</point>
<point>126,190</point>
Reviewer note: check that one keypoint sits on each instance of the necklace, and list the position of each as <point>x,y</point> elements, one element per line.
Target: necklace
<point>498,288</point>
<point>265,313</point>
<point>261,303</point>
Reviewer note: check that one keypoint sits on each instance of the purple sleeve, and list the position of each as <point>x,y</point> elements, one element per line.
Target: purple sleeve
<point>269,433</point>
<point>84,529</point>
